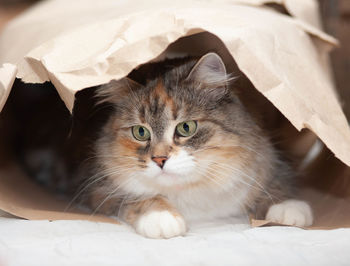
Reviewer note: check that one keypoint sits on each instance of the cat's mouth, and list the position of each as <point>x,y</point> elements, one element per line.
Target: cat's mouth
<point>167,174</point>
<point>171,178</point>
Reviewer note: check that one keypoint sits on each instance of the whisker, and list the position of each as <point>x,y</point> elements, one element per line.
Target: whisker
<point>204,173</point>
<point>249,177</point>
<point>121,205</point>
<point>224,166</point>
<point>111,194</point>
<point>229,146</point>
<point>239,180</point>
<point>242,207</point>
<point>104,172</point>
<point>96,178</point>
<point>110,156</point>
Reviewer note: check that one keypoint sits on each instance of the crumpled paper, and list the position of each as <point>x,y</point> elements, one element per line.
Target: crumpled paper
<point>83,43</point>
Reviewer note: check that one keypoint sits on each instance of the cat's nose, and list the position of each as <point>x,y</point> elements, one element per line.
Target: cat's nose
<point>160,160</point>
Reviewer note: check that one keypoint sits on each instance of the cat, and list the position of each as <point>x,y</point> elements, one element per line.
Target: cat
<point>180,146</point>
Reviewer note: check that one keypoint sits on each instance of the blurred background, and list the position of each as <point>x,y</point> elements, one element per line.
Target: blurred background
<point>336,21</point>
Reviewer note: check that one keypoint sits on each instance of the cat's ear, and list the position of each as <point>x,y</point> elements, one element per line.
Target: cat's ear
<point>210,71</point>
<point>116,89</point>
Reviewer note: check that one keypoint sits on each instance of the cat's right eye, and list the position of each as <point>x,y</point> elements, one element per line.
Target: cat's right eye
<point>141,133</point>
<point>186,129</point>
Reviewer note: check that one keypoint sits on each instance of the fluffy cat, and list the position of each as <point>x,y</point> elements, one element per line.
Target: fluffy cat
<point>182,147</point>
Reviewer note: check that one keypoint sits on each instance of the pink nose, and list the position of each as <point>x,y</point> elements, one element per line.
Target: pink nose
<point>160,160</point>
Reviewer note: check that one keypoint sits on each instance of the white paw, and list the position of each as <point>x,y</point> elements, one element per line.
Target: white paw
<point>160,224</point>
<point>291,212</point>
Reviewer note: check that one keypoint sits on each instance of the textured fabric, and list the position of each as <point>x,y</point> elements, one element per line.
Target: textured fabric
<point>86,243</point>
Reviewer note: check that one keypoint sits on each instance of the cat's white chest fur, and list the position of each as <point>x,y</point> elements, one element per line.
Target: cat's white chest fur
<point>199,205</point>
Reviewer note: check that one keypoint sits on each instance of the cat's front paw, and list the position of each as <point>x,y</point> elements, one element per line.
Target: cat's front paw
<point>291,212</point>
<point>160,224</point>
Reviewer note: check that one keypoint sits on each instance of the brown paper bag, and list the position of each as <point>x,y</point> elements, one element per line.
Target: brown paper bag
<point>277,45</point>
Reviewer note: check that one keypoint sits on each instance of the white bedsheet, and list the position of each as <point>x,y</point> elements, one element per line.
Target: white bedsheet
<point>86,243</point>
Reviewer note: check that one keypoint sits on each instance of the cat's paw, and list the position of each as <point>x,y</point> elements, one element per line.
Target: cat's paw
<point>291,212</point>
<point>160,224</point>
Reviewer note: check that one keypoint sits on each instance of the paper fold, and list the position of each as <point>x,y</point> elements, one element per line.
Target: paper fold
<point>275,51</point>
<point>7,77</point>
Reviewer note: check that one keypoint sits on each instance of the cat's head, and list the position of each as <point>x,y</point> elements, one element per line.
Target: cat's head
<point>183,129</point>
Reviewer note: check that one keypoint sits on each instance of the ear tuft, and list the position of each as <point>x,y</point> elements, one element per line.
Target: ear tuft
<point>210,70</point>
<point>115,89</point>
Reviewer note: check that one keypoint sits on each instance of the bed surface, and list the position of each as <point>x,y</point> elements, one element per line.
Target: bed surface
<point>86,243</point>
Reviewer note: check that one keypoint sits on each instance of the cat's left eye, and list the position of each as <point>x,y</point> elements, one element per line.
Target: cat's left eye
<point>141,133</point>
<point>186,129</point>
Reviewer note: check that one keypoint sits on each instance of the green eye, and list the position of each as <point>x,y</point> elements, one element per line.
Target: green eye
<point>186,129</point>
<point>141,133</point>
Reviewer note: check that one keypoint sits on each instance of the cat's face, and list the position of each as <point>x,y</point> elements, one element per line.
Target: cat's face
<point>182,130</point>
